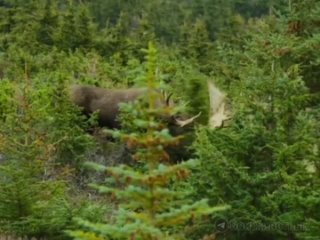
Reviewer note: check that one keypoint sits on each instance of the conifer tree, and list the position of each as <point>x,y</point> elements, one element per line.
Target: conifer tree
<point>31,204</point>
<point>199,46</point>
<point>48,23</point>
<point>266,163</point>
<point>149,208</point>
<point>85,28</point>
<point>24,26</point>
<point>39,138</point>
<point>76,28</point>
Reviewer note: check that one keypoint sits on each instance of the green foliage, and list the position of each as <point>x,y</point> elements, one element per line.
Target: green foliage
<point>266,163</point>
<point>39,131</point>
<point>76,29</point>
<point>149,208</point>
<point>164,17</point>
<point>198,46</point>
<point>29,207</point>
<point>48,23</point>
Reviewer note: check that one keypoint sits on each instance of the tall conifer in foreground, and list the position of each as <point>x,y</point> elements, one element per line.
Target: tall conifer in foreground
<point>148,207</point>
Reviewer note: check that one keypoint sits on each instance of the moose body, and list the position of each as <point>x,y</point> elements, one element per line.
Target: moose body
<point>107,103</point>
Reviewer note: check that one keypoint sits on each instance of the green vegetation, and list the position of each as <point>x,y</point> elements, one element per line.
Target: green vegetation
<point>263,163</point>
<point>149,209</point>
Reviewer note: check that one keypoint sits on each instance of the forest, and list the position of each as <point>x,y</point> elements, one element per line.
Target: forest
<point>160,119</point>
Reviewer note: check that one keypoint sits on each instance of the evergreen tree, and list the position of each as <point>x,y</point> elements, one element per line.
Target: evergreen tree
<point>266,163</point>
<point>76,28</point>
<point>303,23</point>
<point>85,28</point>
<point>24,28</point>
<point>31,204</point>
<point>149,208</point>
<point>67,37</point>
<point>48,23</point>
<point>198,46</point>
<point>39,131</point>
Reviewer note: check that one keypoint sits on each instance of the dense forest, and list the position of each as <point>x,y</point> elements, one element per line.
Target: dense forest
<point>244,170</point>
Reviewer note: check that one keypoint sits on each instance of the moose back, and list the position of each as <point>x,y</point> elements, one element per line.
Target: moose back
<point>107,102</point>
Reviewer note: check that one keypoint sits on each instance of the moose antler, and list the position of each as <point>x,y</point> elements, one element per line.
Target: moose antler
<point>218,113</point>
<point>183,123</point>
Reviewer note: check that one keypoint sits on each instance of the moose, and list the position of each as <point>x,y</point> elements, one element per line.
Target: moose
<point>107,103</point>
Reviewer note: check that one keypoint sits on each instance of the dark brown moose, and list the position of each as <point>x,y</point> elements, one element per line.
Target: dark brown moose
<point>106,102</point>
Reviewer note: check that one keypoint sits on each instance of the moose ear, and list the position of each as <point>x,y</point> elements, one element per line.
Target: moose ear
<point>168,99</point>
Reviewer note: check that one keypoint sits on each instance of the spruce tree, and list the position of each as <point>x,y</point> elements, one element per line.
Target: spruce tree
<point>148,206</point>
<point>48,23</point>
<point>31,204</point>
<point>266,163</point>
<point>40,145</point>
